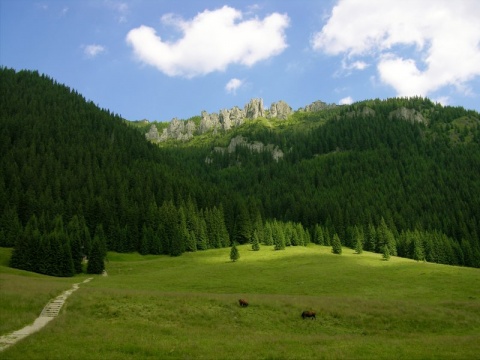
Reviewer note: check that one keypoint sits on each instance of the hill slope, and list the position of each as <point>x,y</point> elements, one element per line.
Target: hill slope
<point>401,173</point>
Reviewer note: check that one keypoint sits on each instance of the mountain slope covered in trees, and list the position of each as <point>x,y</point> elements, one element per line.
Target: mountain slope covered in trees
<point>76,180</point>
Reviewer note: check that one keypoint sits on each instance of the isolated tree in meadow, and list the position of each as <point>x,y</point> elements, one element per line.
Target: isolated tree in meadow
<point>386,253</point>
<point>234,254</point>
<point>336,244</point>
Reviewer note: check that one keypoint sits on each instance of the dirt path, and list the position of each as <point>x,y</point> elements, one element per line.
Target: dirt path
<point>49,312</point>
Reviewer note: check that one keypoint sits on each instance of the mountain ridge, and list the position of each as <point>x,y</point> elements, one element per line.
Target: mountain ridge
<point>400,173</point>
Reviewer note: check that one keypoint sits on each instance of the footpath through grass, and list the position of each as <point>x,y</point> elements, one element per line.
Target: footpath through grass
<point>160,307</point>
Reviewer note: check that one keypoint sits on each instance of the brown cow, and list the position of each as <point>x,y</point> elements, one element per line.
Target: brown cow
<point>309,314</point>
<point>243,302</point>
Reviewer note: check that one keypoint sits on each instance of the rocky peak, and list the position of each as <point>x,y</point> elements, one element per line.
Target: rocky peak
<point>255,109</point>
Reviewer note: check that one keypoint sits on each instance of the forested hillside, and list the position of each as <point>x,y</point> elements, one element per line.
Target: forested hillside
<point>76,180</point>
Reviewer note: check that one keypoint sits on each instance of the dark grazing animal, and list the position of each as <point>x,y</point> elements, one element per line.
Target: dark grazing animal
<point>309,314</point>
<point>243,302</point>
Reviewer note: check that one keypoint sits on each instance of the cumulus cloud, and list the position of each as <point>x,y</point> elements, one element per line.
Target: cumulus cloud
<point>211,41</point>
<point>233,85</point>
<point>419,46</point>
<point>93,50</point>
<point>346,101</point>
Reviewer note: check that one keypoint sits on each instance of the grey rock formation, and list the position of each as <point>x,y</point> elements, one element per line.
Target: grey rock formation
<point>407,114</point>
<point>152,134</point>
<point>208,122</point>
<point>237,116</point>
<point>256,146</point>
<point>280,110</point>
<point>317,106</point>
<point>179,130</point>
<point>254,109</point>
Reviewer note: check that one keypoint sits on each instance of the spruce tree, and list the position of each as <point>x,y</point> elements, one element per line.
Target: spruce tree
<point>336,244</point>
<point>268,235</point>
<point>234,254</point>
<point>386,253</point>
<point>278,236</point>
<point>358,246</point>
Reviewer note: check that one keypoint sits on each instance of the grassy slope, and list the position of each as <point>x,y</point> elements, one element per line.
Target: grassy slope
<point>186,307</point>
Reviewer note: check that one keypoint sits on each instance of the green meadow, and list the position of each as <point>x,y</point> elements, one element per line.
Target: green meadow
<point>161,307</point>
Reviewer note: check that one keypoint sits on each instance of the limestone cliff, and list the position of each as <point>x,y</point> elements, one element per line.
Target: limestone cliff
<point>227,119</point>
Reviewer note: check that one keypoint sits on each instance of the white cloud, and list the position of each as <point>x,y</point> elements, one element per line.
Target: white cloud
<point>233,85</point>
<point>419,46</point>
<point>346,101</point>
<point>211,41</point>
<point>93,50</point>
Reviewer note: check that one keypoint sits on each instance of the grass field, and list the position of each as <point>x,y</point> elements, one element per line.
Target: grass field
<point>159,307</point>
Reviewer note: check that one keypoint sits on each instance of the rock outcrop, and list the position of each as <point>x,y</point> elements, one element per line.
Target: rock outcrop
<point>317,106</point>
<point>254,109</point>
<point>152,134</point>
<point>177,129</point>
<point>411,115</point>
<point>226,119</point>
<point>280,110</point>
<point>256,146</point>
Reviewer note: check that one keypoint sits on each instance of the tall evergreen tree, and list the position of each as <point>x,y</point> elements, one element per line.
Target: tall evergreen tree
<point>336,244</point>
<point>278,236</point>
<point>234,254</point>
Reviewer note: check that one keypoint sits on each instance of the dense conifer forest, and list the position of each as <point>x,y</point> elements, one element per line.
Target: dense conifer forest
<point>77,181</point>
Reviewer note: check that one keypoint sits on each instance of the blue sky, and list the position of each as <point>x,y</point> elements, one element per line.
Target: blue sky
<point>156,60</point>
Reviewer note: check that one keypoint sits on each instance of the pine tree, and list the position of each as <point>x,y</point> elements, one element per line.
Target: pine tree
<point>234,254</point>
<point>336,244</point>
